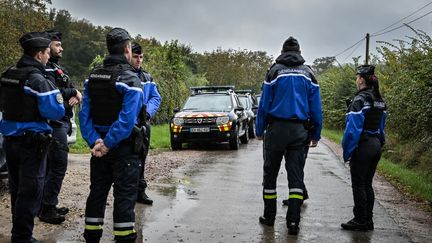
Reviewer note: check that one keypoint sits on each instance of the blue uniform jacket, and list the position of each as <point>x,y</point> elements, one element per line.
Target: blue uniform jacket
<point>50,103</point>
<point>290,91</point>
<point>132,103</point>
<point>354,123</point>
<point>152,98</point>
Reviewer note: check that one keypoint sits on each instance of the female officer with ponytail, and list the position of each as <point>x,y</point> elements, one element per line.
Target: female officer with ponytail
<point>362,143</point>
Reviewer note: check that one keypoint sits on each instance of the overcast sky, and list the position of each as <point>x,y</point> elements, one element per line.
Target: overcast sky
<point>323,27</point>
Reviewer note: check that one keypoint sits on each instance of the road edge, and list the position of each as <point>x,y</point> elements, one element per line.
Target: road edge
<point>408,214</point>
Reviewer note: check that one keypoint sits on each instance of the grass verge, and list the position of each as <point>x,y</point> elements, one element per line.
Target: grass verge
<point>417,184</point>
<point>160,139</point>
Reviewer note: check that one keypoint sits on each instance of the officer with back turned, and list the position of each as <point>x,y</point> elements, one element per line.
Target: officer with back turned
<point>152,100</point>
<point>58,154</point>
<point>113,99</point>
<point>290,99</point>
<point>28,100</point>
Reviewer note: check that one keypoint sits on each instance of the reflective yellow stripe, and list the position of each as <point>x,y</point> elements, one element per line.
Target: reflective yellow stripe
<point>270,196</point>
<point>296,196</point>
<point>124,232</point>
<point>93,227</point>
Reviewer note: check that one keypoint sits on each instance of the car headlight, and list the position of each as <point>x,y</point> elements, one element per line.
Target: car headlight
<point>222,120</point>
<point>178,121</point>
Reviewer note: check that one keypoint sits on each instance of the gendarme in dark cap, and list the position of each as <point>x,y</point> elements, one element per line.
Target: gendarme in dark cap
<point>365,70</point>
<point>291,44</point>
<point>55,35</point>
<point>117,36</point>
<point>136,48</point>
<point>35,40</point>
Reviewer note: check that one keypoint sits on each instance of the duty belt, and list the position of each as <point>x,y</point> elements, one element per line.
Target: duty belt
<point>294,119</point>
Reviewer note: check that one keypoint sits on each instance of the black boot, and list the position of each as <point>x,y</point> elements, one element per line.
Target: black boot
<point>33,240</point>
<point>370,225</point>
<point>144,199</point>
<point>355,225</point>
<point>293,228</point>
<point>62,210</point>
<point>48,214</point>
<point>265,221</point>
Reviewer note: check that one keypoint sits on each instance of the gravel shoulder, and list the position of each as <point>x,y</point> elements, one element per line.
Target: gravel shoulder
<point>75,190</point>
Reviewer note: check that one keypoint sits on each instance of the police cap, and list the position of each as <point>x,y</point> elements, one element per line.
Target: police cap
<point>365,70</point>
<point>136,48</point>
<point>35,40</point>
<point>290,44</point>
<point>117,36</point>
<point>55,35</point>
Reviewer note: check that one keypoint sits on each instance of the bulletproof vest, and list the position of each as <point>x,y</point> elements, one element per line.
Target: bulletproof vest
<point>374,114</point>
<point>14,103</point>
<point>105,101</point>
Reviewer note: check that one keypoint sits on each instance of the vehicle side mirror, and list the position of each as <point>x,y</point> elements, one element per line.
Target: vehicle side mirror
<point>176,110</point>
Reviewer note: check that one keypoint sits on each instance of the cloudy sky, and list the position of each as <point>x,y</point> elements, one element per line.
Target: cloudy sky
<point>323,27</point>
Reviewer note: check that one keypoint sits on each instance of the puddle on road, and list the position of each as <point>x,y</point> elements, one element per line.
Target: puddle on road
<point>169,219</point>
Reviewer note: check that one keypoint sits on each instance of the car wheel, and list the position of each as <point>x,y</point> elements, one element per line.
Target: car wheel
<point>245,138</point>
<point>234,141</point>
<point>252,129</point>
<point>176,145</point>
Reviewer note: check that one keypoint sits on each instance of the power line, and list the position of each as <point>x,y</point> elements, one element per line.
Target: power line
<point>347,49</point>
<point>402,25</point>
<point>349,55</point>
<point>418,10</point>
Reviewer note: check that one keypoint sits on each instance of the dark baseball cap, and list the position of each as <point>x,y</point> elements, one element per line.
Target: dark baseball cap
<point>55,35</point>
<point>35,40</point>
<point>117,36</point>
<point>365,70</point>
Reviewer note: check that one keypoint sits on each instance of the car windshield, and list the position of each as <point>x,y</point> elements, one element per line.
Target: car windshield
<point>244,101</point>
<point>208,103</point>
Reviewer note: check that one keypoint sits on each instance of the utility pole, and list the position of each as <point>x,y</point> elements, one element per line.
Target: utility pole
<point>367,49</point>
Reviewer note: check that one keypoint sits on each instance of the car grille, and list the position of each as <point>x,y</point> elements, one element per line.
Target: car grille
<point>199,121</point>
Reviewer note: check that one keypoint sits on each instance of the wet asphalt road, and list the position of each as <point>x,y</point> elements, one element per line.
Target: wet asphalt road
<point>219,200</point>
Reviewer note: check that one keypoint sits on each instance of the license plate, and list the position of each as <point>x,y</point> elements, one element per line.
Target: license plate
<point>200,129</point>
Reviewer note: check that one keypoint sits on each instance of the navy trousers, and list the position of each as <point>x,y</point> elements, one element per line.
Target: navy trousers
<point>27,168</point>
<point>57,164</point>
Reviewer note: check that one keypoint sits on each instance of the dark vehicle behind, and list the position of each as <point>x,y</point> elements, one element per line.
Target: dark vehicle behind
<point>249,102</point>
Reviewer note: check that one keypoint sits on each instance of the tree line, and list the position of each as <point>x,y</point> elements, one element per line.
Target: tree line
<point>403,68</point>
<point>174,66</point>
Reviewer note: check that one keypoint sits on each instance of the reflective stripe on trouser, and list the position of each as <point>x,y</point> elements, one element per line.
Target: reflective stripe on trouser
<point>124,230</point>
<point>269,196</point>
<point>93,228</point>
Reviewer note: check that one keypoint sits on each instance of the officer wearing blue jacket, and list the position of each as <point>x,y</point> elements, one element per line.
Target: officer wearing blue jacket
<point>28,100</point>
<point>58,154</point>
<point>290,99</point>
<point>362,143</point>
<point>113,98</point>
<point>152,100</point>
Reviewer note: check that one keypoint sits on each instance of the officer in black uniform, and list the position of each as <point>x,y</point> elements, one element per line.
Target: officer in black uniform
<point>28,100</point>
<point>152,100</point>
<point>58,154</point>
<point>362,143</point>
<point>113,100</point>
<point>290,98</point>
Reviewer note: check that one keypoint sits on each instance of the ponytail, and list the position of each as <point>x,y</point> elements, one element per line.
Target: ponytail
<point>372,81</point>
